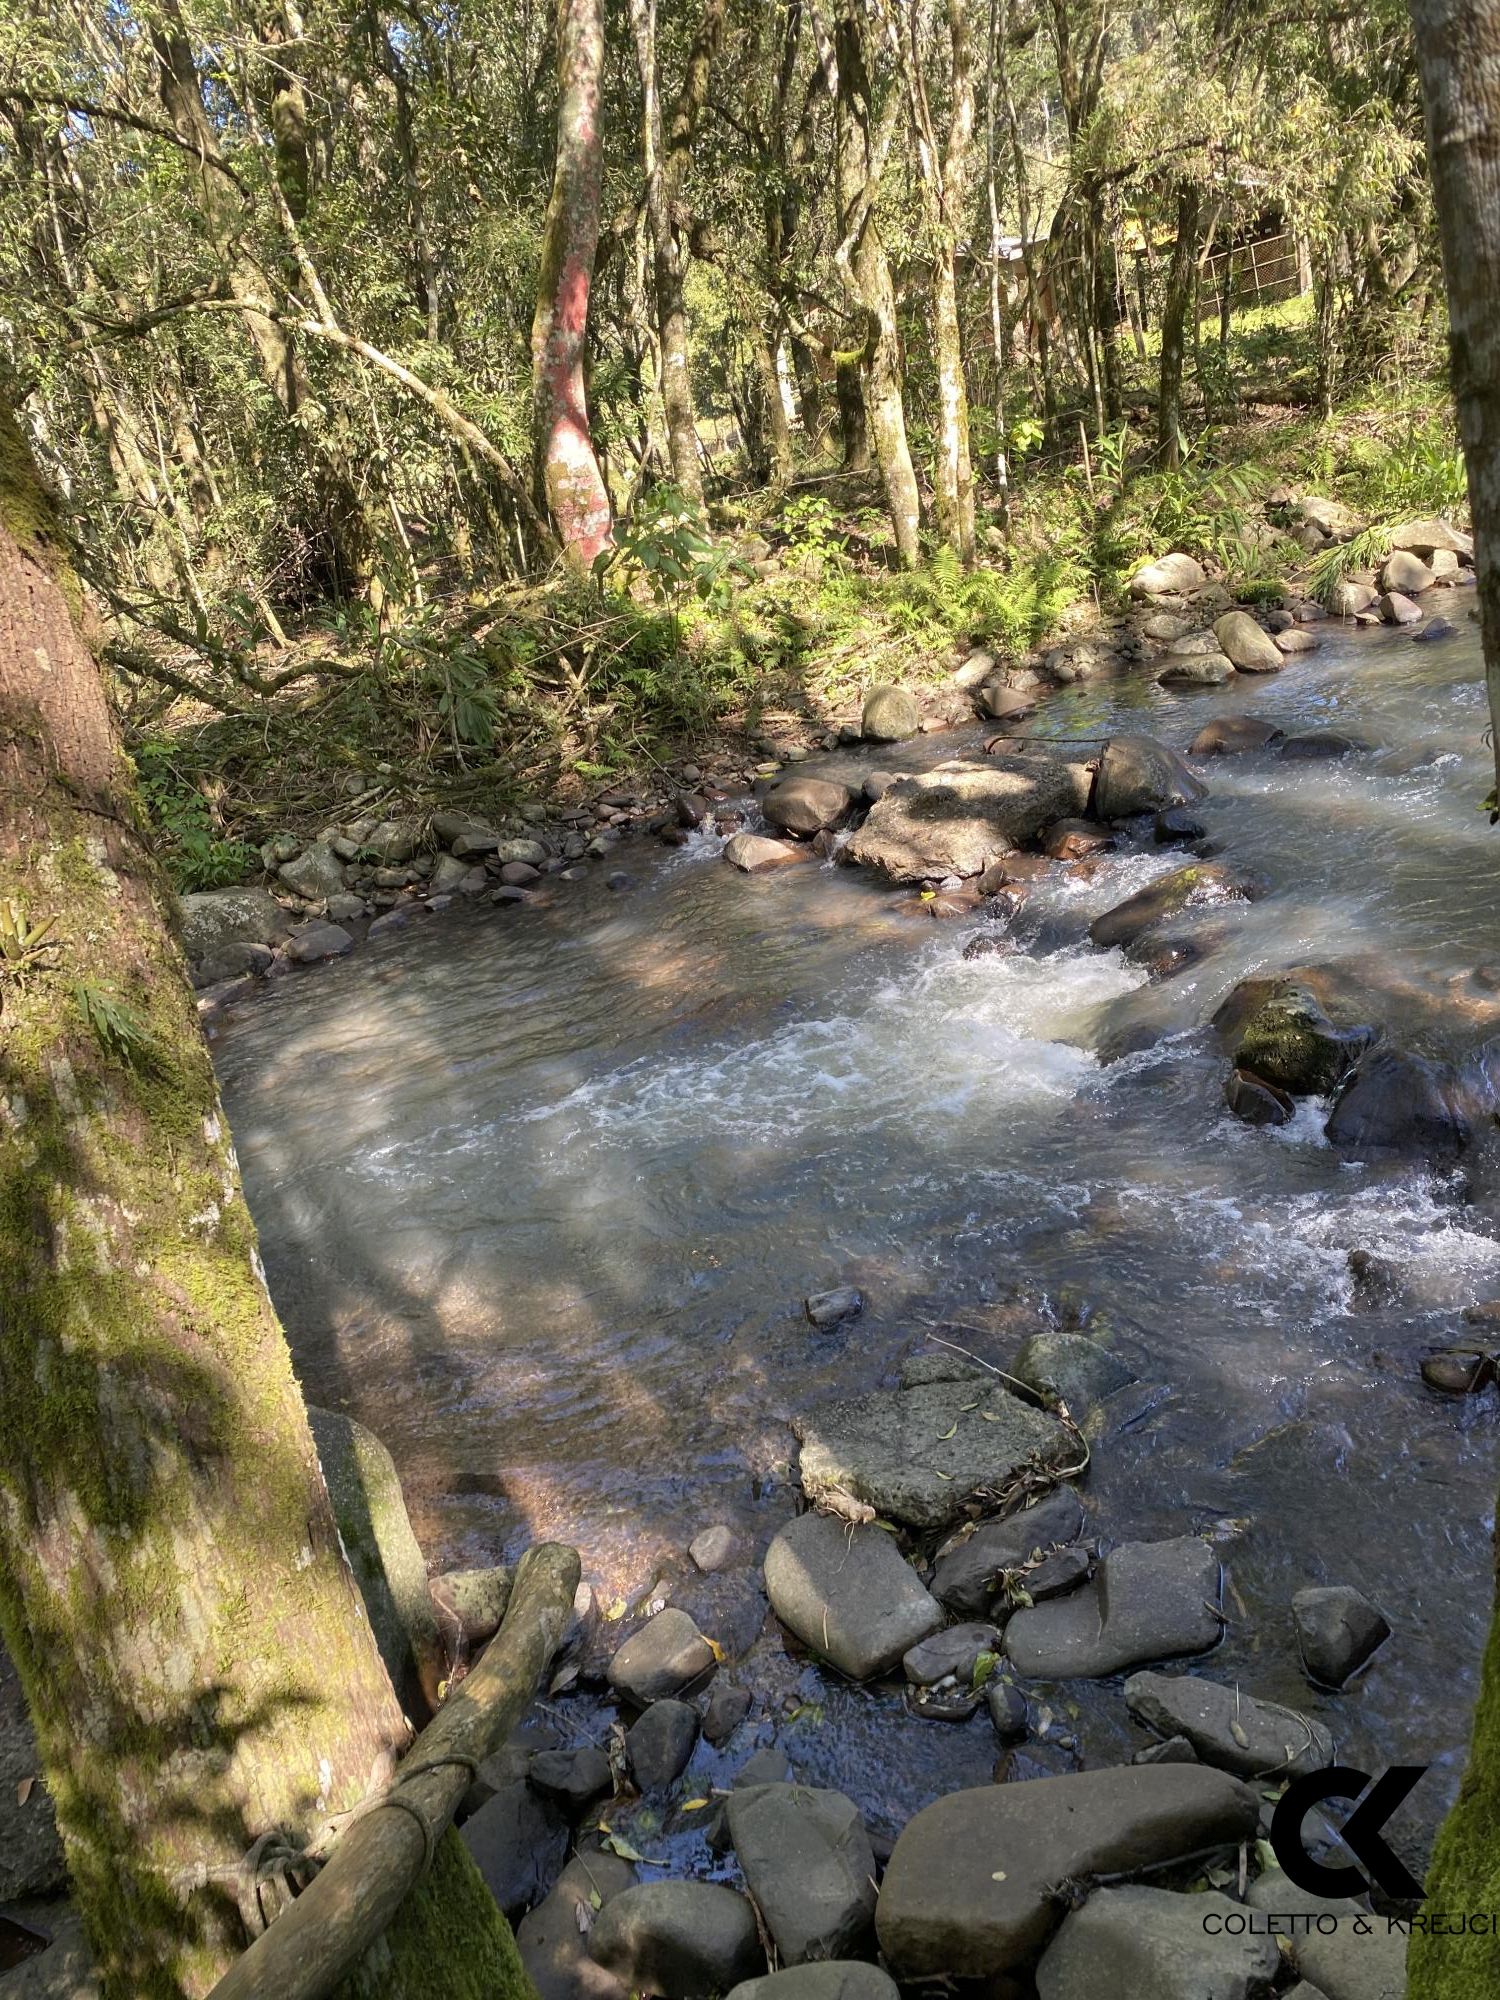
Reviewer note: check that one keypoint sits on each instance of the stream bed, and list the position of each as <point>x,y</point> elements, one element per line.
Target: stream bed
<point>541,1191</point>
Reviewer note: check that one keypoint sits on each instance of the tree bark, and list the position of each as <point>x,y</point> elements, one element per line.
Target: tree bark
<point>1176,303</point>
<point>194,1653</point>
<point>863,138</point>
<point>568,477</point>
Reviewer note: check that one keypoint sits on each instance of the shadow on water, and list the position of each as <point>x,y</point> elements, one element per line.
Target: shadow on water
<point>541,1191</point>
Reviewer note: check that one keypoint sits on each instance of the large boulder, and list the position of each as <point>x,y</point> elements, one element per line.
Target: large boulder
<point>1290,1043</point>
<point>848,1593</point>
<point>1137,1943</point>
<point>1176,575</point>
<point>31,1856</point>
<point>1350,598</point>
<point>1424,538</point>
<point>807,1861</point>
<point>681,1940</point>
<point>969,1569</point>
<point>1147,1601</point>
<point>889,715</point>
<point>1401,1103</point>
<point>959,817</point>
<point>1228,1727</point>
<point>1139,775</point>
<point>1199,886</point>
<point>1250,648</point>
<point>971,1888</point>
<point>383,1553</point>
<point>1403,571</point>
<point>213,918</point>
<point>553,1938</point>
<point>805,804</point>
<point>922,1456</point>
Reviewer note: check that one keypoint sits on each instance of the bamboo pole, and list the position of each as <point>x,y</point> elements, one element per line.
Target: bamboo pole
<point>320,1939</point>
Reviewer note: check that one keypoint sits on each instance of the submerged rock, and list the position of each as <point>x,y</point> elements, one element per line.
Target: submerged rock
<point>828,1308</point>
<point>1198,886</point>
<point>962,815</point>
<point>1138,1943</point>
<point>1397,1102</point>
<point>1229,1728</point>
<point>1137,775</point>
<point>1338,1630</point>
<point>969,1569</point>
<point>807,1862</point>
<point>1290,1044</point>
<point>1147,1601</point>
<point>921,1456</point>
<point>681,1940</point>
<point>1233,735</point>
<point>848,1593</point>
<point>971,1887</point>
<point>1069,1368</point>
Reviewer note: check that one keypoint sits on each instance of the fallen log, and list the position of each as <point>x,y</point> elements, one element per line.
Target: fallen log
<point>322,1936</point>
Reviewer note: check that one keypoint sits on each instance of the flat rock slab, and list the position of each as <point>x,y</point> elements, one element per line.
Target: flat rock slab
<point>1149,1944</point>
<point>921,1456</point>
<point>682,1940</point>
<point>838,1979</point>
<point>968,1570</point>
<point>1147,1601</point>
<point>960,816</point>
<point>1229,1728</point>
<point>807,1861</point>
<point>971,1888</point>
<point>848,1593</point>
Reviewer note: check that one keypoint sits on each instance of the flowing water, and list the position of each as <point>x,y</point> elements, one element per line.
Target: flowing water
<point>541,1192</point>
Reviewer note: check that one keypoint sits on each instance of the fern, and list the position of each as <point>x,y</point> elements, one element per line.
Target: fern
<point>116,1027</point>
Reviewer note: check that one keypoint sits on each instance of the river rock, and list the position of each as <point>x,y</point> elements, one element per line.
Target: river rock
<point>382,1550</point>
<point>724,1711</point>
<point>660,1743</point>
<point>1195,669</point>
<point>1137,775</point>
<point>213,918</point>
<point>1397,1102</point>
<point>953,1651</point>
<point>681,1940</point>
<point>65,1970</point>
<point>714,1549</point>
<point>1338,1630</point>
<point>31,1856</point>
<point>1215,1719</point>
<point>829,1308</point>
<point>519,1843</point>
<point>1199,886</point>
<point>921,1456</point>
<point>553,1938</point>
<point>452,875</point>
<point>1290,1043</point>
<point>1009,1715</point>
<point>1176,827</point>
<point>806,1860</point>
<point>837,1979</point>
<point>889,715</point>
<point>1147,1601</point>
<point>1407,573</point>
<point>1243,642</point>
<point>1076,839</point>
<point>1002,703</point>
<point>1139,1943</point>
<point>572,1779</point>
<point>962,815</point>
<point>806,805</point>
<point>316,873</point>
<point>234,960</point>
<point>969,1568</point>
<point>1165,627</point>
<point>1069,1368</point>
<point>1233,735</point>
<point>1176,575</point>
<point>665,1656</point>
<point>1425,537</point>
<point>1397,609</point>
<point>1320,746</point>
<point>1354,1964</point>
<point>1296,639</point>
<point>848,1593</point>
<point>753,853</point>
<point>971,1887</point>
<point>1256,1102</point>
<point>317,941</point>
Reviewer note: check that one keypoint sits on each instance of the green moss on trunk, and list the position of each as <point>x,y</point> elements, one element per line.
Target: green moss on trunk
<point>450,1920</point>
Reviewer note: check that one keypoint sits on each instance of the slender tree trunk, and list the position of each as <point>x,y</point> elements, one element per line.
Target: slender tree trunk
<point>568,476</point>
<point>778,432</point>
<point>1175,305</point>
<point>1458,52</point>
<point>853,431</point>
<point>197,1663</point>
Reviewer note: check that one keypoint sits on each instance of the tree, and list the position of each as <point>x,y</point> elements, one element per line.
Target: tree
<point>568,474</point>
<point>197,1663</point>
<point>1458,49</point>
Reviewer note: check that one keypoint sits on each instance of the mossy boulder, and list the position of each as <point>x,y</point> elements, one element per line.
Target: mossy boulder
<point>1290,1042</point>
<point>383,1553</point>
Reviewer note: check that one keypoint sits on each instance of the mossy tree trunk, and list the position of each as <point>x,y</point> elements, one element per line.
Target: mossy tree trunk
<point>197,1662</point>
